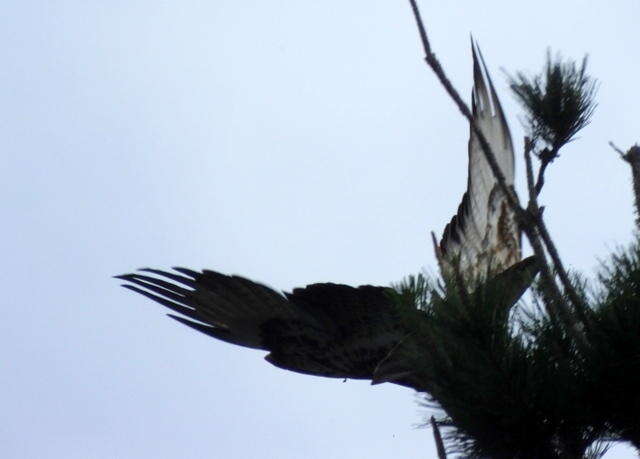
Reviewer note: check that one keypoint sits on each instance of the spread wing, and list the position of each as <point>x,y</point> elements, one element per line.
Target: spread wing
<point>331,330</point>
<point>324,329</point>
<point>483,235</point>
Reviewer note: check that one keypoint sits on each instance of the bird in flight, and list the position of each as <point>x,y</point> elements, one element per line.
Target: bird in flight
<point>339,331</point>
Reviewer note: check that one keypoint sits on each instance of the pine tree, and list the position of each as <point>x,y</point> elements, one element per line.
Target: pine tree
<point>555,376</point>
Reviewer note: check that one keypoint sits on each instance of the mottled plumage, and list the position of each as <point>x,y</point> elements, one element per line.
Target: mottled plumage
<point>322,329</point>
<point>483,236</point>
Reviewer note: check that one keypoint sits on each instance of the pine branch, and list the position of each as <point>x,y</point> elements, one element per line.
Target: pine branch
<point>558,103</point>
<point>615,344</point>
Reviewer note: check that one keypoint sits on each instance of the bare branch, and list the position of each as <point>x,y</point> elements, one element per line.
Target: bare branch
<point>442,452</point>
<point>562,273</point>
<point>620,152</point>
<point>433,62</point>
<point>632,157</point>
<point>528,146</point>
<point>535,211</point>
<point>546,157</point>
<point>550,290</point>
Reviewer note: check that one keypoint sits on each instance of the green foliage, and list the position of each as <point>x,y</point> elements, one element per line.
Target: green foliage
<point>614,359</point>
<point>558,103</point>
<point>514,383</point>
<point>416,292</point>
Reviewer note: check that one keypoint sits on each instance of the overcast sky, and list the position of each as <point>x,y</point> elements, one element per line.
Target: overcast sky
<point>288,141</point>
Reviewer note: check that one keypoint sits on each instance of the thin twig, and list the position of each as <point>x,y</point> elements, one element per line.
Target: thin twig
<point>534,210</point>
<point>442,452</point>
<point>540,180</point>
<point>433,62</point>
<point>536,214</point>
<point>551,292</point>
<point>546,156</point>
<point>562,272</point>
<point>620,152</point>
<point>528,146</point>
<point>632,157</point>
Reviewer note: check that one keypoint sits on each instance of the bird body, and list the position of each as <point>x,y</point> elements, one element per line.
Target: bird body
<point>341,331</point>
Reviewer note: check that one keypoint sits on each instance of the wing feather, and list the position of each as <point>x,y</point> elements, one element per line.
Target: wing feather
<point>325,329</point>
<point>322,329</point>
<point>482,235</point>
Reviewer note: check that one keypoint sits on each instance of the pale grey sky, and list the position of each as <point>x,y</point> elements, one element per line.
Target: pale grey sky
<point>288,141</point>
